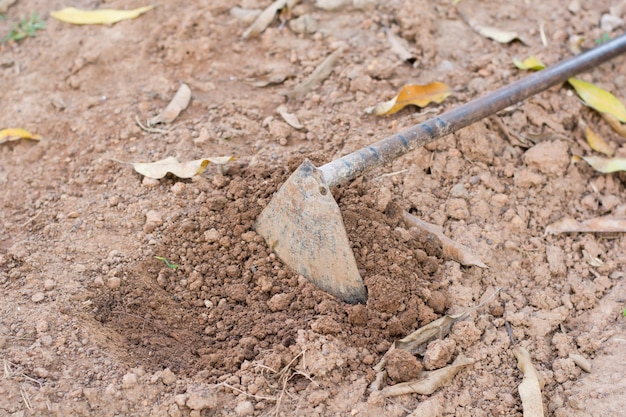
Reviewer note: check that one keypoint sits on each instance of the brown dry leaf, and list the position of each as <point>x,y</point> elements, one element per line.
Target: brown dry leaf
<point>416,342</point>
<point>597,142</point>
<point>595,225</point>
<point>599,99</point>
<point>317,76</point>
<point>265,18</point>
<point>604,165</point>
<point>187,169</point>
<point>178,104</point>
<point>615,124</point>
<point>11,134</point>
<point>290,118</point>
<point>451,249</point>
<point>429,381</point>
<point>399,46</point>
<point>530,388</point>
<point>415,94</point>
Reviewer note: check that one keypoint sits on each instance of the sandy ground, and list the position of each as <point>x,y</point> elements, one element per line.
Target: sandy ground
<point>91,324</point>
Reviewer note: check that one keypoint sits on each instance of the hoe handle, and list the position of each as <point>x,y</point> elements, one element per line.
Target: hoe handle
<point>386,150</point>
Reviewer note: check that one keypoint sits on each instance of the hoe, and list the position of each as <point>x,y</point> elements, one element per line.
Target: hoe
<point>302,223</point>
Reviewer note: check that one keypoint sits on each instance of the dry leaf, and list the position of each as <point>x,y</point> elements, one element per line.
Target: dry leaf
<point>317,76</point>
<point>290,118</point>
<point>418,95</point>
<point>599,99</point>
<point>595,225</point>
<point>97,17</point>
<point>498,35</point>
<point>530,388</point>
<point>429,381</point>
<point>399,46</point>
<point>416,342</point>
<point>451,249</point>
<point>603,165</point>
<point>597,142</point>
<point>179,103</point>
<point>530,63</point>
<point>188,169</point>
<point>265,18</point>
<point>11,134</point>
<point>614,123</point>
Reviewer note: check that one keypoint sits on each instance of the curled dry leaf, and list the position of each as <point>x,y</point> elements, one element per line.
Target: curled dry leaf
<point>178,104</point>
<point>530,63</point>
<point>97,17</point>
<point>290,118</point>
<point>599,99</point>
<point>451,249</point>
<point>530,388</point>
<point>429,381</point>
<point>415,94</point>
<point>187,169</point>
<point>416,342</point>
<point>597,142</point>
<point>595,225</point>
<point>266,16</point>
<point>11,134</point>
<point>317,76</point>
<point>604,165</point>
<point>399,46</point>
<point>614,123</point>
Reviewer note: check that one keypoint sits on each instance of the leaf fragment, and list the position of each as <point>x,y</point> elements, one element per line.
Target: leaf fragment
<point>530,388</point>
<point>429,381</point>
<point>15,133</point>
<point>604,165</point>
<point>602,224</point>
<point>290,118</point>
<point>399,46</point>
<point>597,142</point>
<point>179,102</point>
<point>187,169</point>
<point>266,16</point>
<point>530,63</point>
<point>614,123</point>
<point>599,99</point>
<point>451,249</point>
<point>97,17</point>
<point>320,73</point>
<point>415,94</point>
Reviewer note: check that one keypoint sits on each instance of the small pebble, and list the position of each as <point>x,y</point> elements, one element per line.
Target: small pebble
<point>49,284</point>
<point>581,362</point>
<point>168,376</point>
<point>38,297</point>
<point>129,380</point>
<point>244,409</point>
<point>211,235</point>
<point>41,372</point>
<point>114,283</point>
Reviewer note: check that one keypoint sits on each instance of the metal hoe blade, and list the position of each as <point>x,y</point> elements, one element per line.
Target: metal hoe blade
<point>303,225</point>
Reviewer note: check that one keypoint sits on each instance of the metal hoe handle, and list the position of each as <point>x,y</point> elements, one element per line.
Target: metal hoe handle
<point>347,168</point>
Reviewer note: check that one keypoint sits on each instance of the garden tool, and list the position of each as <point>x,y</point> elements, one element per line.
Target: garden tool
<point>302,223</point>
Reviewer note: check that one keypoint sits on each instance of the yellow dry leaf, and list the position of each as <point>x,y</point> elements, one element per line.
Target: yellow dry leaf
<point>599,99</point>
<point>417,95</point>
<point>187,169</point>
<point>11,134</point>
<point>97,17</point>
<point>530,63</point>
<point>179,103</point>
<point>530,388</point>
<point>614,123</point>
<point>603,165</point>
<point>498,35</point>
<point>597,142</point>
<point>595,225</point>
